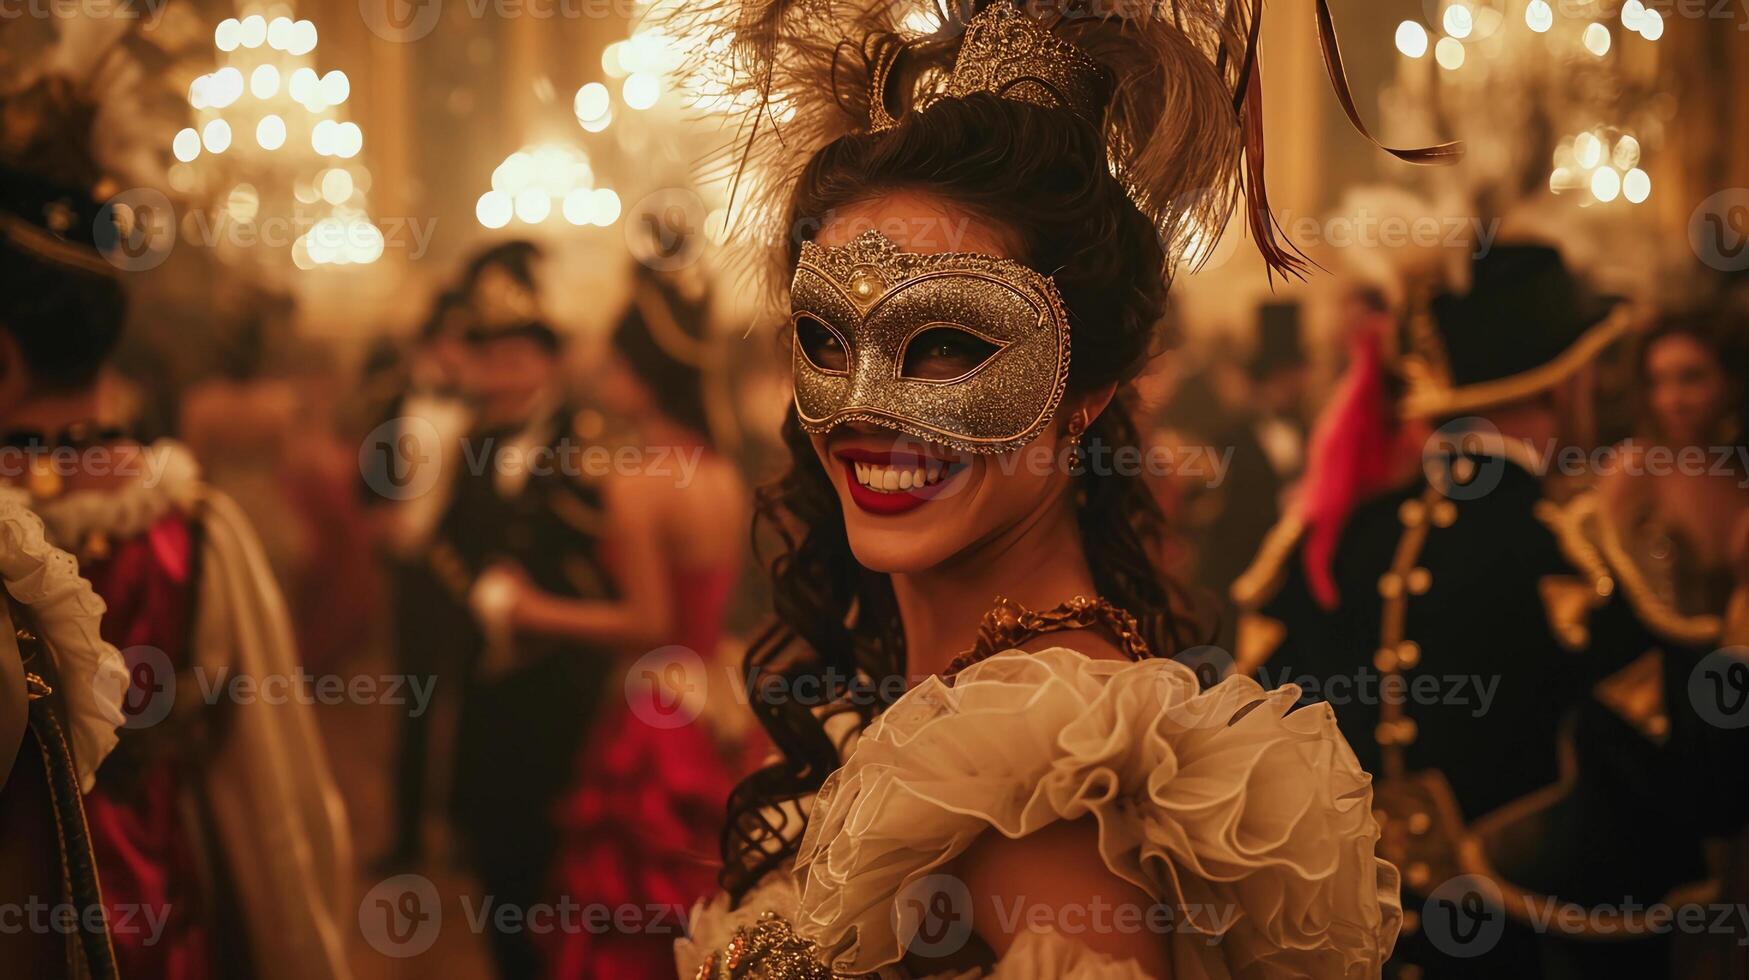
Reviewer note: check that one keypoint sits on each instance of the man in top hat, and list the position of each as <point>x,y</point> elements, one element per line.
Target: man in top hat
<point>519,495</point>
<point>1469,645</point>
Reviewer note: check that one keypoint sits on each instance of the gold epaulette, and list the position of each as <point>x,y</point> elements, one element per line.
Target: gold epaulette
<point>1259,582</point>
<point>1589,540</point>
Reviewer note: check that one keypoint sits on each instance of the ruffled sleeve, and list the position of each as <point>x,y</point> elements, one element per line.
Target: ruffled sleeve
<point>1251,820</point>
<point>93,676</point>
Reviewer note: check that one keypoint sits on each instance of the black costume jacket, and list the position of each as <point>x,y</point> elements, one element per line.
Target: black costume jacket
<point>1524,705</point>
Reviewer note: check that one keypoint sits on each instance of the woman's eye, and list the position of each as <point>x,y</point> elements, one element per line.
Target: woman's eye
<point>820,345</point>
<point>944,353</point>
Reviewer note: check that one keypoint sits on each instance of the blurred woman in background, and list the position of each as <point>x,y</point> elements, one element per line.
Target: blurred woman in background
<point>640,825</point>
<point>1678,501</point>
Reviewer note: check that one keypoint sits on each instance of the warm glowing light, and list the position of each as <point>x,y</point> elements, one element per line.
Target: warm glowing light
<point>596,125</point>
<point>270,132</point>
<point>1587,150</point>
<point>186,145</point>
<point>642,90</point>
<point>1626,155</point>
<point>216,136</point>
<point>1632,13</point>
<point>494,209</point>
<point>228,34</point>
<point>1458,21</point>
<point>324,138</point>
<point>533,206</point>
<point>1539,16</point>
<point>305,88</point>
<point>253,31</point>
<point>592,102</point>
<point>303,37</point>
<point>1449,52</point>
<point>1488,20</point>
<point>1636,186</point>
<point>1561,179</point>
<point>1596,39</point>
<point>1605,184</point>
<point>1652,25</point>
<point>577,207</point>
<point>348,140</point>
<point>336,186</point>
<point>1411,39</point>
<point>921,21</point>
<point>607,206</point>
<point>243,203</point>
<point>279,33</point>
<point>223,87</point>
<point>514,174</point>
<point>335,87</point>
<point>610,60</point>
<point>264,82</point>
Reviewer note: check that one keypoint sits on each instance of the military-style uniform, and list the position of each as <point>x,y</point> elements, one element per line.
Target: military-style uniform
<point>1541,772</point>
<point>520,730</point>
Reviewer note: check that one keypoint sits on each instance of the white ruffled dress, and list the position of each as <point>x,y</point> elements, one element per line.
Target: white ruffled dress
<point>1224,799</point>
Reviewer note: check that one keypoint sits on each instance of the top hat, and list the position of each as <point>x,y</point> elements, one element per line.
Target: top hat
<point>1525,325</point>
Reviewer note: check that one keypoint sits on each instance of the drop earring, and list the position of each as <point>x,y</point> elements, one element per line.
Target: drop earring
<point>1077,426</point>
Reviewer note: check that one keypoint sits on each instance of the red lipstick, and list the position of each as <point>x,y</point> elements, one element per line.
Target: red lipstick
<point>873,463</point>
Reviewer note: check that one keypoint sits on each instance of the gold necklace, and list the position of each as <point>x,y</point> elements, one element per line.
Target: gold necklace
<point>1009,624</point>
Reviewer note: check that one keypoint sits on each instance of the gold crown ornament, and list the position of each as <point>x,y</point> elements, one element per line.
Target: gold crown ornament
<point>1007,53</point>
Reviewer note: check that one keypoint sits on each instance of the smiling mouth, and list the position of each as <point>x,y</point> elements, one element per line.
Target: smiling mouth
<point>893,483</point>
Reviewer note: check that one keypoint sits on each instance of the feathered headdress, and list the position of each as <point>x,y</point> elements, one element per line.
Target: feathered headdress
<point>1173,86</point>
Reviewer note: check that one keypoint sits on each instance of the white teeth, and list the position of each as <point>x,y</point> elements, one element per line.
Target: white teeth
<point>892,479</point>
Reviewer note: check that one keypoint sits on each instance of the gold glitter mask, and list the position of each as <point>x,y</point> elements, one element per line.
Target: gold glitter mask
<point>967,350</point>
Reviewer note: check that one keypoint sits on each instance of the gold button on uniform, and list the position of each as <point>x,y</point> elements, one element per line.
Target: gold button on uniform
<point>1420,580</point>
<point>1412,513</point>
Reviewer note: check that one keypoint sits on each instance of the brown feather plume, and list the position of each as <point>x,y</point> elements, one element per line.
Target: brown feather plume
<point>1183,122</point>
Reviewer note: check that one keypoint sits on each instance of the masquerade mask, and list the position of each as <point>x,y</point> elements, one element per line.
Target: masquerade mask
<point>968,350</point>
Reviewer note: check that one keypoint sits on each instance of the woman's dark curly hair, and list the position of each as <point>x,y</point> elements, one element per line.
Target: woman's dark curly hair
<point>1042,176</point>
